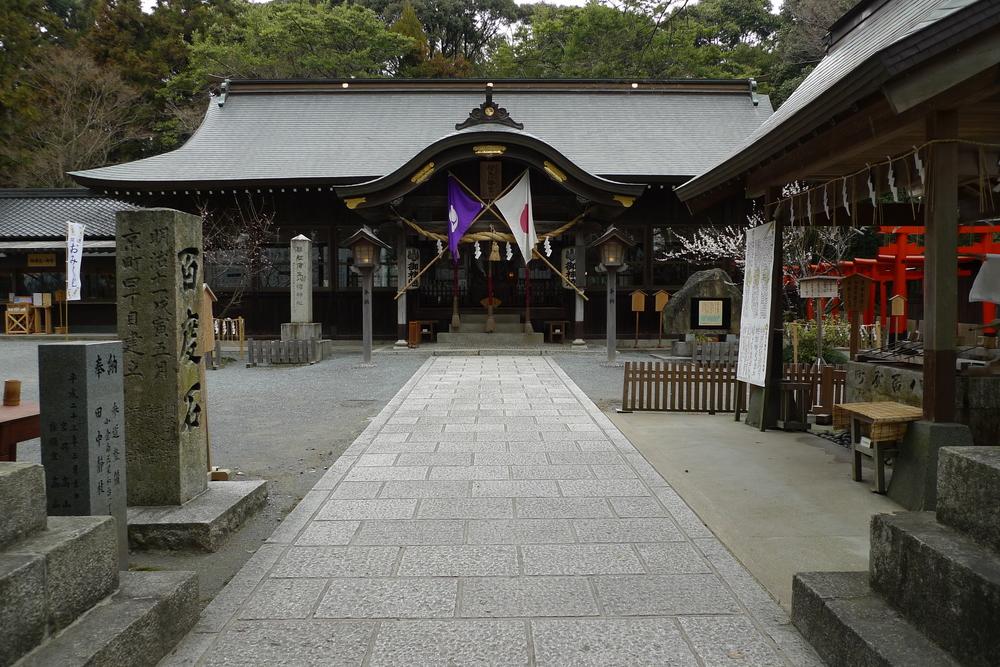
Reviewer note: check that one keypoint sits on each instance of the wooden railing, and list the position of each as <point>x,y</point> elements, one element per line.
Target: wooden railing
<point>686,387</point>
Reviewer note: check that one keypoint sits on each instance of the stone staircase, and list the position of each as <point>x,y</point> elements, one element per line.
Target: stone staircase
<point>932,593</point>
<point>509,333</point>
<point>63,600</point>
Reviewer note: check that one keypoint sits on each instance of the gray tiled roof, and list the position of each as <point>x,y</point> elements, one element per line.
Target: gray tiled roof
<point>43,213</point>
<point>888,26</point>
<point>359,135</point>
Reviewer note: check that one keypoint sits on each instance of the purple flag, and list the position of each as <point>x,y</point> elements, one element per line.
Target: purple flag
<point>462,210</point>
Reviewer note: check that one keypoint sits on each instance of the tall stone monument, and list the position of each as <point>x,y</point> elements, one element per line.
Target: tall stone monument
<point>302,326</point>
<point>159,263</point>
<point>83,432</point>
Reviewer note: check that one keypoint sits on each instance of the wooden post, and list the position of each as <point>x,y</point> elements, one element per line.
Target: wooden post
<point>941,269</point>
<point>853,317</point>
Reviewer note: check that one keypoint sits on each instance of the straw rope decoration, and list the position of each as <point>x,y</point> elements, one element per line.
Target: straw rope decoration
<point>870,171</point>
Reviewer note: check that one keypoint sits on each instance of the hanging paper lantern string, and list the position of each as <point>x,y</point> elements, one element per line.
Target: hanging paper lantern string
<point>548,247</point>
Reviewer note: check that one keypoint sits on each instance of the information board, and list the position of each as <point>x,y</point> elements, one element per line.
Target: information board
<point>755,325</point>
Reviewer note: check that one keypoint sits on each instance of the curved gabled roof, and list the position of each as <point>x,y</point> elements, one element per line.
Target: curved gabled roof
<point>324,133</point>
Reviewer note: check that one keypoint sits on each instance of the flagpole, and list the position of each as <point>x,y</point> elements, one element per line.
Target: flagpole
<point>527,299</point>
<point>456,322</point>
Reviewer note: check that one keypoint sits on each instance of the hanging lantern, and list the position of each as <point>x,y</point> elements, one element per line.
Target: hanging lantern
<point>495,252</point>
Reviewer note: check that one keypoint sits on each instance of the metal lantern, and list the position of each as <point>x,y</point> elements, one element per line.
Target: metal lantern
<point>364,247</point>
<point>612,245</point>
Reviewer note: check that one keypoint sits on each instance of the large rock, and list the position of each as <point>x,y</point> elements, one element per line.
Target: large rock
<point>969,492</point>
<point>712,283</point>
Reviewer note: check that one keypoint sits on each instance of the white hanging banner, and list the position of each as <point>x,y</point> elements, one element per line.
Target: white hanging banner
<point>74,258</point>
<point>755,318</point>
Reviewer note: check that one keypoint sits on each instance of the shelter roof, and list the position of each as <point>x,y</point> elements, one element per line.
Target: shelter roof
<point>349,132</point>
<point>42,213</point>
<point>876,42</point>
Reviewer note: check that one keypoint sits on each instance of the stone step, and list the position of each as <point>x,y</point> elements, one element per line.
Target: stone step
<point>968,492</point>
<point>141,623</point>
<point>480,327</point>
<point>22,501</point>
<point>507,318</point>
<point>492,340</point>
<point>78,556</point>
<point>849,625</point>
<point>943,581</point>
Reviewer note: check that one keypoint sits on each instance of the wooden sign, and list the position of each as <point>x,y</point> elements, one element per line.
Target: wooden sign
<point>898,304</point>
<point>638,301</point>
<point>854,291</point>
<point>490,179</point>
<point>41,259</point>
<point>818,287</point>
<point>412,267</point>
<point>569,267</point>
<point>662,299</point>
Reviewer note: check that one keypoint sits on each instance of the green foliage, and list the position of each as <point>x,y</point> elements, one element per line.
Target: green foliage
<point>836,334</point>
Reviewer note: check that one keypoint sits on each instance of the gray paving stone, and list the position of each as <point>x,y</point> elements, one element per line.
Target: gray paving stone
<point>473,447</point>
<point>356,490</point>
<point>469,472</point>
<point>603,487</point>
<point>641,506</point>
<point>627,530</point>
<point>503,458</point>
<point>608,642</point>
<point>563,446</point>
<point>336,562</point>
<point>664,594</point>
<point>520,531</point>
<point>399,447</point>
<point>564,471</point>
<point>379,508</point>
<point>378,473</point>
<point>435,459</point>
<point>426,489</point>
<point>327,533</point>
<point>585,458</point>
<point>673,558</point>
<point>521,488</point>
<point>728,641</point>
<point>562,508</point>
<point>527,596</point>
<point>411,532</point>
<point>466,508</point>
<point>454,642</point>
<point>458,561</point>
<point>309,642</point>
<point>613,472</point>
<point>595,446</point>
<point>389,598</point>
<point>580,559</point>
<point>377,459</point>
<point>284,598</point>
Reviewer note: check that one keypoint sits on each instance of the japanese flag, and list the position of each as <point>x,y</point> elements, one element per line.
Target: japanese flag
<point>515,207</point>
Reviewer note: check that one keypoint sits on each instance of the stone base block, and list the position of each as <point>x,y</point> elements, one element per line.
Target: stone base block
<point>141,623</point>
<point>914,472</point>
<point>80,555</point>
<point>22,605</point>
<point>968,492</point>
<point>202,523</point>
<point>22,501</point>
<point>480,340</point>
<point>945,583</point>
<point>301,330</point>
<point>850,625</point>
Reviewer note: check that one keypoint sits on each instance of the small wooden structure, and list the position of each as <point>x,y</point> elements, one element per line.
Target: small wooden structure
<point>882,424</point>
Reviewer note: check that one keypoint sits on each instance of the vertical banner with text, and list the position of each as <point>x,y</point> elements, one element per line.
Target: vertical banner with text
<point>755,321</point>
<point>74,257</point>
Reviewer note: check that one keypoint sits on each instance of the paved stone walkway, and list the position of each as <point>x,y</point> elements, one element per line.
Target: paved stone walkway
<point>492,515</point>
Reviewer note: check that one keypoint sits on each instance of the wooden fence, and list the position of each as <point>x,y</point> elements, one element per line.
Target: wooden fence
<point>685,387</point>
<point>282,352</point>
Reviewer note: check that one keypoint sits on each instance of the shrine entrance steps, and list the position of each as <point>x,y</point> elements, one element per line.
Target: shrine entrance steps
<point>63,600</point>
<point>509,333</point>
<point>932,593</point>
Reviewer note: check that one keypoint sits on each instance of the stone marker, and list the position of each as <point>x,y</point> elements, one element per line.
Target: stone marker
<point>302,326</point>
<point>159,264</point>
<point>83,432</point>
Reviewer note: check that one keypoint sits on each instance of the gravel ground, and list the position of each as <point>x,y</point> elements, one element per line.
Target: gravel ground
<point>287,425</point>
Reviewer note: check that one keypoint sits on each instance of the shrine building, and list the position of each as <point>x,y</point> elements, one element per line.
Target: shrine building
<point>322,158</point>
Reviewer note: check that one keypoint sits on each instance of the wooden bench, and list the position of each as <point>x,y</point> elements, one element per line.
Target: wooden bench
<point>885,423</point>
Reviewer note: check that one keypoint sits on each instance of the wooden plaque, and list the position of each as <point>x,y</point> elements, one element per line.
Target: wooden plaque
<point>662,299</point>
<point>490,179</point>
<point>638,301</point>
<point>854,291</point>
<point>898,304</point>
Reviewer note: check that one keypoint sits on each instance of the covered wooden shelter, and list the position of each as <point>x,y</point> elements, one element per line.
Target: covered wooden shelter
<point>899,124</point>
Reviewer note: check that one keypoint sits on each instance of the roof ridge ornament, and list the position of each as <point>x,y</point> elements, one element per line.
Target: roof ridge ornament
<point>488,113</point>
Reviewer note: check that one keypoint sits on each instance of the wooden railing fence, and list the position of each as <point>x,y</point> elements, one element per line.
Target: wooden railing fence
<point>712,387</point>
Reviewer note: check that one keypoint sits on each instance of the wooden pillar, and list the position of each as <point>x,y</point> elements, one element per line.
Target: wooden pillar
<point>899,284</point>
<point>581,281</point>
<point>400,281</point>
<point>941,269</point>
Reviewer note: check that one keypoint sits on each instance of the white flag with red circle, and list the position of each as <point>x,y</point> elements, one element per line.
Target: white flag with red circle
<point>515,207</point>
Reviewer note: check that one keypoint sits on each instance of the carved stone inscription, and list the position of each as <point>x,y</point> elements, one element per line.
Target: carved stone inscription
<point>159,255</point>
<point>301,258</point>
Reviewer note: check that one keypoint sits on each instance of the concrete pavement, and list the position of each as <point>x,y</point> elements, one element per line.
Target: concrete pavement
<point>491,514</point>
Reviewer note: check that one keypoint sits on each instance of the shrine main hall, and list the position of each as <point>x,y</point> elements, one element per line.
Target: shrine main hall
<point>323,158</point>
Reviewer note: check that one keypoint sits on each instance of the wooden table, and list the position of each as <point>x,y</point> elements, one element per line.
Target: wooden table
<point>17,424</point>
<point>886,424</point>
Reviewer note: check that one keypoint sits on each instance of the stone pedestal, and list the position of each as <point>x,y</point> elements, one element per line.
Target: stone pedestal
<point>301,331</point>
<point>83,432</point>
<point>915,468</point>
<point>159,264</point>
